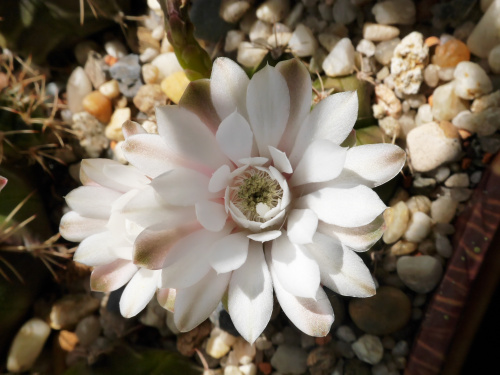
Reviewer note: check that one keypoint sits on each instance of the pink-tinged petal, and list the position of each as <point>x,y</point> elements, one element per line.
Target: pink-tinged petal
<point>372,165</point>
<point>189,260</point>
<point>149,154</point>
<point>182,187</point>
<point>146,208</point>
<point>240,219</point>
<point>139,291</point>
<point>166,298</point>
<point>92,201</point>
<point>332,119</point>
<point>211,215</point>
<point>76,228</point>
<point>112,276</point>
<point>268,104</point>
<point>220,179</point>
<point>127,175</point>
<point>228,87</point>
<point>250,295</point>
<point>301,226</point>
<point>342,270</point>
<point>197,99</point>
<point>235,137</point>
<point>313,316</point>
<point>358,238</point>
<point>322,161</point>
<point>195,304</point>
<point>92,173</point>
<point>97,250</point>
<point>280,160</point>
<point>300,88</point>
<point>229,253</point>
<point>130,128</point>
<point>351,207</point>
<point>265,236</point>
<point>153,244</point>
<point>188,139</point>
<point>295,267</point>
<point>3,182</point>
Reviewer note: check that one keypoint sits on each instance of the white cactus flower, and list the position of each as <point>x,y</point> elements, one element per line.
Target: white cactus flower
<point>252,192</point>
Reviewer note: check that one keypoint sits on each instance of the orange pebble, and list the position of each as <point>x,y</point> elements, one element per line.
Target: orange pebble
<point>323,340</point>
<point>110,60</point>
<point>67,340</point>
<point>451,53</point>
<point>98,106</point>
<point>432,41</point>
<point>464,134</point>
<point>112,145</point>
<point>466,162</point>
<point>430,100</point>
<point>265,368</point>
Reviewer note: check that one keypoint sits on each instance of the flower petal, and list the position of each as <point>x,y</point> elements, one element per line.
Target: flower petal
<point>147,208</point>
<point>188,260</point>
<point>197,99</point>
<point>235,137</point>
<point>112,276</point>
<point>92,173</point>
<point>286,198</point>
<point>265,236</point>
<point>322,161</point>
<point>296,269</point>
<point>76,228</point>
<point>253,161</point>
<point>188,139</point>
<point>332,119</point>
<point>126,175</point>
<point>149,154</point>
<point>372,165</point>
<point>300,88</point>
<point>228,87</point>
<point>358,238</point>
<point>195,304</point>
<point>280,160</point>
<point>301,226</point>
<point>268,104</point>
<point>250,296</point>
<point>229,253</point>
<point>220,179</point>
<point>92,201</point>
<point>98,249</point>
<point>182,187</point>
<point>342,270</point>
<point>313,316</point>
<point>211,215</point>
<point>130,128</point>
<point>166,298</point>
<point>351,207</point>
<point>139,291</point>
<point>153,244</point>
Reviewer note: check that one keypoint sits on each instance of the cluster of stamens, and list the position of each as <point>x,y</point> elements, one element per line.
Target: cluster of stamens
<point>255,192</point>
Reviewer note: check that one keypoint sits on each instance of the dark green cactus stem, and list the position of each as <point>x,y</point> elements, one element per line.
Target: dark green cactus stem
<point>180,33</point>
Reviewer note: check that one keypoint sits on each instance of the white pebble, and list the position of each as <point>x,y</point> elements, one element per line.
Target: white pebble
<point>443,246</point>
<point>344,12</point>
<point>110,89</point>
<point>485,35</point>
<point>390,12</point>
<point>115,48</point>
<point>471,81</point>
<point>419,203</point>
<point>148,55</point>
<point>303,43</point>
<point>27,345</point>
<point>431,75</point>
<point>233,40</point>
<point>231,11</point>
<point>328,40</point>
<point>457,180</point>
<point>418,228</point>
<point>446,104</point>
<point>396,221</point>
<point>379,33</point>
<point>167,65</point>
<point>78,87</point>
<point>366,47</point>
<point>250,56</point>
<point>340,61</point>
<point>443,209</point>
<point>369,349</point>
<point>494,59</point>
<point>273,11</point>
<point>424,115</point>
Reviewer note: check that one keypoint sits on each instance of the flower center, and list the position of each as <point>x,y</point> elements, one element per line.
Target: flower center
<point>255,192</point>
